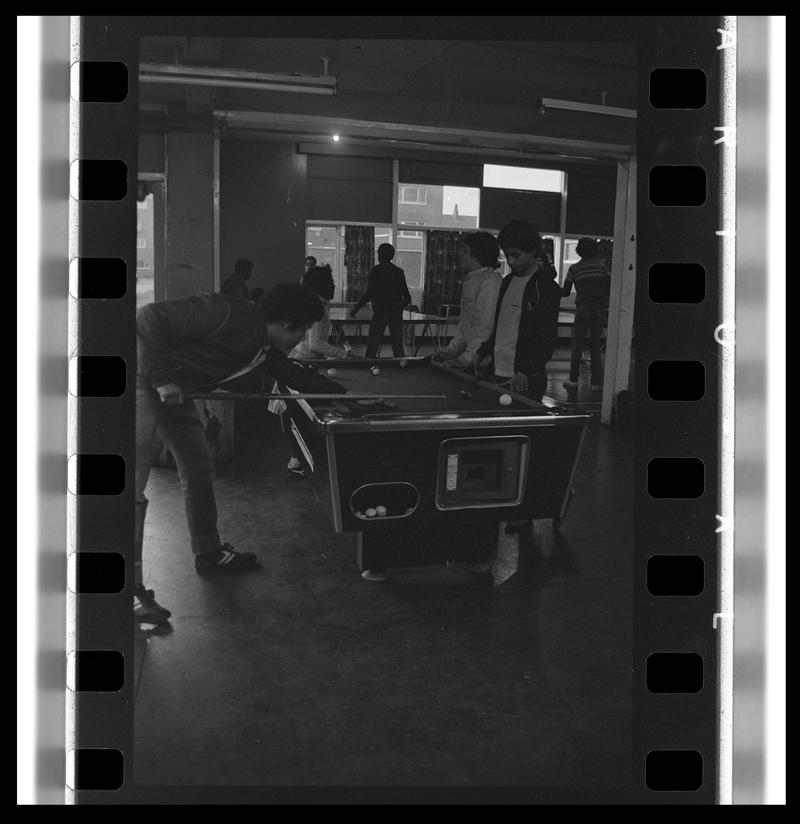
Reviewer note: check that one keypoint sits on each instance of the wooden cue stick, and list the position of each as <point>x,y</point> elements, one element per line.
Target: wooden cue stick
<point>269,396</point>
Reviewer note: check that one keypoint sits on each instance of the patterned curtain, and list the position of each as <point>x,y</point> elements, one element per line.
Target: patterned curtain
<point>442,281</point>
<point>359,258</point>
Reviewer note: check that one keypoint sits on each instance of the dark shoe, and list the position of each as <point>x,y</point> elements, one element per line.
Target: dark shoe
<point>146,610</point>
<point>225,559</point>
<point>571,384</point>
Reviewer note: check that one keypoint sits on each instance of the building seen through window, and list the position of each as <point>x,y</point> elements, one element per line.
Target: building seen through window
<point>145,234</point>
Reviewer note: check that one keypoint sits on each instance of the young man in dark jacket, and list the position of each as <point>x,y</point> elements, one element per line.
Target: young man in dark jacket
<point>196,345</point>
<point>388,291</point>
<point>526,318</point>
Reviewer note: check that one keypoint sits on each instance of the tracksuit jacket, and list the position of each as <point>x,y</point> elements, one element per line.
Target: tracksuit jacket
<point>200,341</point>
<point>538,323</point>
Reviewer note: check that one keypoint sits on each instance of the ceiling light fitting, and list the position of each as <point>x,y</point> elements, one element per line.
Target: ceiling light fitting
<point>591,108</point>
<point>236,78</point>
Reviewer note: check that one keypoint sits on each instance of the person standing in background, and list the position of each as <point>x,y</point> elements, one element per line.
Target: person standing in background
<point>314,346</point>
<point>479,258</point>
<point>388,291</point>
<point>235,285</point>
<point>592,283</point>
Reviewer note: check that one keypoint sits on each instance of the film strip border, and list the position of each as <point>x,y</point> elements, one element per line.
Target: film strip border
<point>677,412</point>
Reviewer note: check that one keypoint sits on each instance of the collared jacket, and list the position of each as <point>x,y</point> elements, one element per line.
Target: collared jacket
<point>479,293</point>
<point>386,288</point>
<point>199,342</point>
<point>538,323</point>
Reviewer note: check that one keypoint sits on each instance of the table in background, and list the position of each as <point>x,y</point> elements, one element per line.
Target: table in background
<point>340,317</point>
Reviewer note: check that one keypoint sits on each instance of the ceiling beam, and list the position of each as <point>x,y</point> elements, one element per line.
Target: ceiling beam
<point>447,139</point>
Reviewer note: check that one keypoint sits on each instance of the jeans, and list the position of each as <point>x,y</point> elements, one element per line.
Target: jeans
<point>588,316</point>
<point>380,318</point>
<point>182,430</point>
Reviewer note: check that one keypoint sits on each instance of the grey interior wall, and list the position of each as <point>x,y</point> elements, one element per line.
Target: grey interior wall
<point>262,209</point>
<point>190,241</point>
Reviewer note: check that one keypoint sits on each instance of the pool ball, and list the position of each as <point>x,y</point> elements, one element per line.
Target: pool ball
<point>380,511</point>
<point>403,363</point>
<point>505,400</point>
<point>331,373</point>
<point>375,370</point>
<point>370,513</point>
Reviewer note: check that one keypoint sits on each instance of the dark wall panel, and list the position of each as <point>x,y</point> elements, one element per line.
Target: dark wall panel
<point>349,168</point>
<point>151,152</point>
<point>590,204</point>
<point>262,209</point>
<point>366,201</point>
<point>499,206</point>
<point>441,174</point>
<point>190,210</point>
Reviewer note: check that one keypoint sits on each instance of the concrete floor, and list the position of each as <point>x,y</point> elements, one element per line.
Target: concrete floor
<point>302,674</point>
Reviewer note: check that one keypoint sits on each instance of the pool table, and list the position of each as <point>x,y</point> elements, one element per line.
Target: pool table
<point>428,481</point>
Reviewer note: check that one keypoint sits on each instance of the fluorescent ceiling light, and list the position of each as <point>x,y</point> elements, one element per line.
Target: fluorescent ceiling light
<point>552,103</point>
<point>236,78</point>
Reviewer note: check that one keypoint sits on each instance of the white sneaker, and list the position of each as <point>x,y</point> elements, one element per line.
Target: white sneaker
<point>295,466</point>
<point>374,575</point>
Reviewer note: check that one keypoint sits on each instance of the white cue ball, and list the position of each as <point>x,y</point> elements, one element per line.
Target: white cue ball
<point>505,400</point>
<point>375,370</point>
<point>370,513</point>
<point>403,363</point>
<point>381,511</point>
<point>331,373</point>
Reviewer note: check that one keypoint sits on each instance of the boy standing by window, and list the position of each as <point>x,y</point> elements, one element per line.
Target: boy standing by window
<point>526,319</point>
<point>388,291</point>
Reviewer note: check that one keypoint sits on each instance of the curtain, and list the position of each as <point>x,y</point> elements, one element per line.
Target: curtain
<point>359,258</point>
<point>442,281</point>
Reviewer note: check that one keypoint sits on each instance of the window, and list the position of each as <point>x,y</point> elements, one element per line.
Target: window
<point>326,243</point>
<point>145,244</point>
<point>413,194</point>
<point>522,179</point>
<point>444,207</point>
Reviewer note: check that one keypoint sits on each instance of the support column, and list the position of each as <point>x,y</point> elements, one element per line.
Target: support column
<point>623,290</point>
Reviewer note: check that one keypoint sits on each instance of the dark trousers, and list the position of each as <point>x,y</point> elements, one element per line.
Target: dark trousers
<point>182,430</point>
<point>589,316</point>
<point>380,319</point>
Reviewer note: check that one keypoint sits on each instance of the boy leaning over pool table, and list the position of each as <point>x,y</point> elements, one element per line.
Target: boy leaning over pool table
<point>197,345</point>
